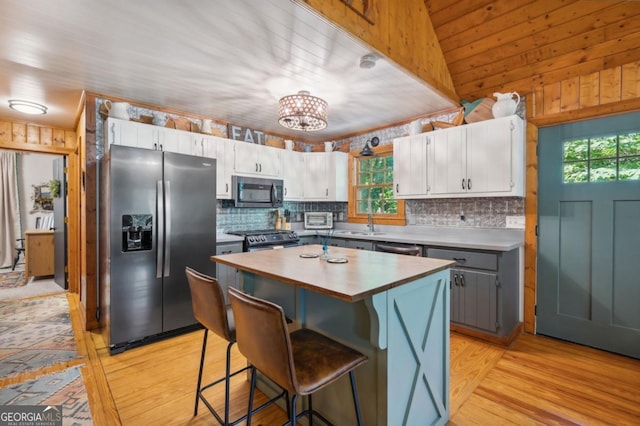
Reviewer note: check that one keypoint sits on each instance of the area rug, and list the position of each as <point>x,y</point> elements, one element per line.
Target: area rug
<point>35,287</point>
<point>11,279</point>
<point>64,388</point>
<point>35,333</point>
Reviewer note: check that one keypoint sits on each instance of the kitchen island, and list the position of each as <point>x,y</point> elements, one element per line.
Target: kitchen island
<point>392,308</point>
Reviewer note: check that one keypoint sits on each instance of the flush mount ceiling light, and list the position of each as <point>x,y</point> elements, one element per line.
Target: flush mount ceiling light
<point>367,151</point>
<point>302,112</point>
<point>27,107</point>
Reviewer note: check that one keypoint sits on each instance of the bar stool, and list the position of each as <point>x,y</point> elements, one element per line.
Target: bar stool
<point>301,362</point>
<point>210,310</point>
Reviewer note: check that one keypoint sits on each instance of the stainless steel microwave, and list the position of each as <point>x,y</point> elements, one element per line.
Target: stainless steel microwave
<point>256,192</point>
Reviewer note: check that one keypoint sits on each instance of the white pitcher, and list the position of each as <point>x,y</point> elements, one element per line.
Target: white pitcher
<point>328,146</point>
<point>505,104</point>
<point>117,109</point>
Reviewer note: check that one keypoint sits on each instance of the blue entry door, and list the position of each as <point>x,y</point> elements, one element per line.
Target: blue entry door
<point>588,284</point>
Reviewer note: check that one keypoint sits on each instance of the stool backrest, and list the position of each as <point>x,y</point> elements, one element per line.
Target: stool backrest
<point>263,338</point>
<point>208,304</point>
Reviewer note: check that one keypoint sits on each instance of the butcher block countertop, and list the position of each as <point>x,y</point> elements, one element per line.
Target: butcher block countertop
<point>366,273</point>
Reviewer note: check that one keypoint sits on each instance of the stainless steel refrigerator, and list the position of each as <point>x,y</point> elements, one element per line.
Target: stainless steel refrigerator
<point>157,215</point>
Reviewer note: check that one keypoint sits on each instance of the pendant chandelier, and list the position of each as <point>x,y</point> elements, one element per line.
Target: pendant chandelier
<point>302,112</point>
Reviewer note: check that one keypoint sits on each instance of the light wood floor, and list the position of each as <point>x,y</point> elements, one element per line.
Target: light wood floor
<point>537,380</point>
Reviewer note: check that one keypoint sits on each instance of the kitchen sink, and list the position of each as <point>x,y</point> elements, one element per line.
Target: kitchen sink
<point>359,232</point>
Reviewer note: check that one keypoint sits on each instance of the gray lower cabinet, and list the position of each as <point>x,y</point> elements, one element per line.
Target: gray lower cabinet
<point>226,275</point>
<point>359,244</point>
<point>484,289</point>
<point>309,240</point>
<point>337,242</point>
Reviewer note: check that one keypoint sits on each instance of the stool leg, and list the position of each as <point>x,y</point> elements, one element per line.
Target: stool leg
<point>355,397</point>
<point>204,349</point>
<point>292,418</point>
<point>251,392</point>
<point>310,410</point>
<point>226,384</point>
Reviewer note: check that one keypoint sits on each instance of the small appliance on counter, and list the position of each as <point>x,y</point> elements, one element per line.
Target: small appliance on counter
<point>318,220</point>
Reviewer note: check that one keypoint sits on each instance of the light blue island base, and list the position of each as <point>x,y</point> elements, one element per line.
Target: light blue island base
<point>405,333</point>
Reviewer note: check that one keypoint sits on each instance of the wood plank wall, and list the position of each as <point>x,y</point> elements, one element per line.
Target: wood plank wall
<point>610,91</point>
<point>33,137</point>
<point>400,30</point>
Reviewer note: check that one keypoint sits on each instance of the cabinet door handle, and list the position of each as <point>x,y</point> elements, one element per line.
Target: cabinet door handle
<point>326,192</point>
<point>155,146</point>
<point>460,259</point>
<point>285,191</point>
<point>256,167</point>
<point>227,252</point>
<point>161,147</point>
<point>461,280</point>
<point>226,188</point>
<point>261,167</point>
<point>455,279</point>
<point>397,188</point>
<point>463,184</point>
<point>469,183</point>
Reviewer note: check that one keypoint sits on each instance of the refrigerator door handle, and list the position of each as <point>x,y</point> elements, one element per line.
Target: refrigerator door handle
<point>160,228</point>
<point>167,227</point>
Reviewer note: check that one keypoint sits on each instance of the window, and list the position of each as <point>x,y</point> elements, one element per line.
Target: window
<point>371,188</point>
<point>602,159</point>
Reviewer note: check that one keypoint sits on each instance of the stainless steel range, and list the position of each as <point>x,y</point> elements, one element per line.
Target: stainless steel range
<point>267,239</point>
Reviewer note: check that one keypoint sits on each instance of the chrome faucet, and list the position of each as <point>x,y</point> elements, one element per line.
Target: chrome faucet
<point>370,222</point>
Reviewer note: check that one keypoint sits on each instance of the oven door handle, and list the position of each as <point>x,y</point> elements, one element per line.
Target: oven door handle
<point>273,194</point>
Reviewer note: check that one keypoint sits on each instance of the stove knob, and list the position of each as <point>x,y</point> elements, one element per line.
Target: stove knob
<point>263,238</point>
<point>294,235</point>
<point>250,239</point>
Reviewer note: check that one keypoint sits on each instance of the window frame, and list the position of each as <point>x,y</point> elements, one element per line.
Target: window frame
<point>381,219</point>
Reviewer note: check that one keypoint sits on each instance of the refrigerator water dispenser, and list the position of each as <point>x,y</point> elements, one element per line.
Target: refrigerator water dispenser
<point>137,232</point>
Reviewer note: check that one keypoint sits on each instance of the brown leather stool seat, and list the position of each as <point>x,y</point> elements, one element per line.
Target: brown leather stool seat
<point>210,310</point>
<point>301,362</point>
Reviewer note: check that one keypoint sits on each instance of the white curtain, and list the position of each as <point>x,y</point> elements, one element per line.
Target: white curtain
<point>9,208</point>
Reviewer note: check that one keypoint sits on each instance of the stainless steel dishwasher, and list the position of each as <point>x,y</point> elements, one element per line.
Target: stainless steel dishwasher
<point>399,248</point>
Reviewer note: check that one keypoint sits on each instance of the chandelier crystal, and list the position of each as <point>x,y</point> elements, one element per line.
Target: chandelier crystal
<point>302,112</point>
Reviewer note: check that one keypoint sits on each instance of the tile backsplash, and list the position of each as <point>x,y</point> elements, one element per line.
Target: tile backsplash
<point>446,212</point>
<point>464,212</point>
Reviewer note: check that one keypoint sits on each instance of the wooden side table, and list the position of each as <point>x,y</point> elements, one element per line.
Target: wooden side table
<point>38,253</point>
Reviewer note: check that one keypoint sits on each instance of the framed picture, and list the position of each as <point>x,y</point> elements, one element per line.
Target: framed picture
<point>42,199</point>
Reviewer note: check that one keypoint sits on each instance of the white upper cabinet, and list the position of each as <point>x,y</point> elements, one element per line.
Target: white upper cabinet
<point>410,166</point>
<point>484,159</point>
<point>447,160</point>
<point>141,135</point>
<point>180,142</point>
<point>325,176</point>
<point>222,150</point>
<point>257,160</point>
<point>293,175</point>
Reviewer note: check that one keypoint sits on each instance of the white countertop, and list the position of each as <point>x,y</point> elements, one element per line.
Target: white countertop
<point>469,238</point>
<point>466,238</point>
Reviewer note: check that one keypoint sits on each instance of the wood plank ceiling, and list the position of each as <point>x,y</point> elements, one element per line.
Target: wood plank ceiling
<point>519,45</point>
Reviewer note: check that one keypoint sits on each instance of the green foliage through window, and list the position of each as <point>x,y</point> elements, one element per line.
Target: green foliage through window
<point>374,183</point>
<point>602,159</point>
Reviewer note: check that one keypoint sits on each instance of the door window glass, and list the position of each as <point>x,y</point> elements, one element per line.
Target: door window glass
<point>602,159</point>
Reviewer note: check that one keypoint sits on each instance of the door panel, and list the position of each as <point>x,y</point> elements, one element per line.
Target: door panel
<point>626,246</point>
<point>589,238</point>
<point>60,227</point>
<point>190,202</point>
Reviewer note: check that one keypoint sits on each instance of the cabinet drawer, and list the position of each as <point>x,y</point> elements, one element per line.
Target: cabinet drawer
<point>467,259</point>
<point>359,244</point>
<point>228,248</point>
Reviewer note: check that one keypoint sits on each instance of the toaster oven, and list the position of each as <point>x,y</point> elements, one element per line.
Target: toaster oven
<point>318,220</point>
